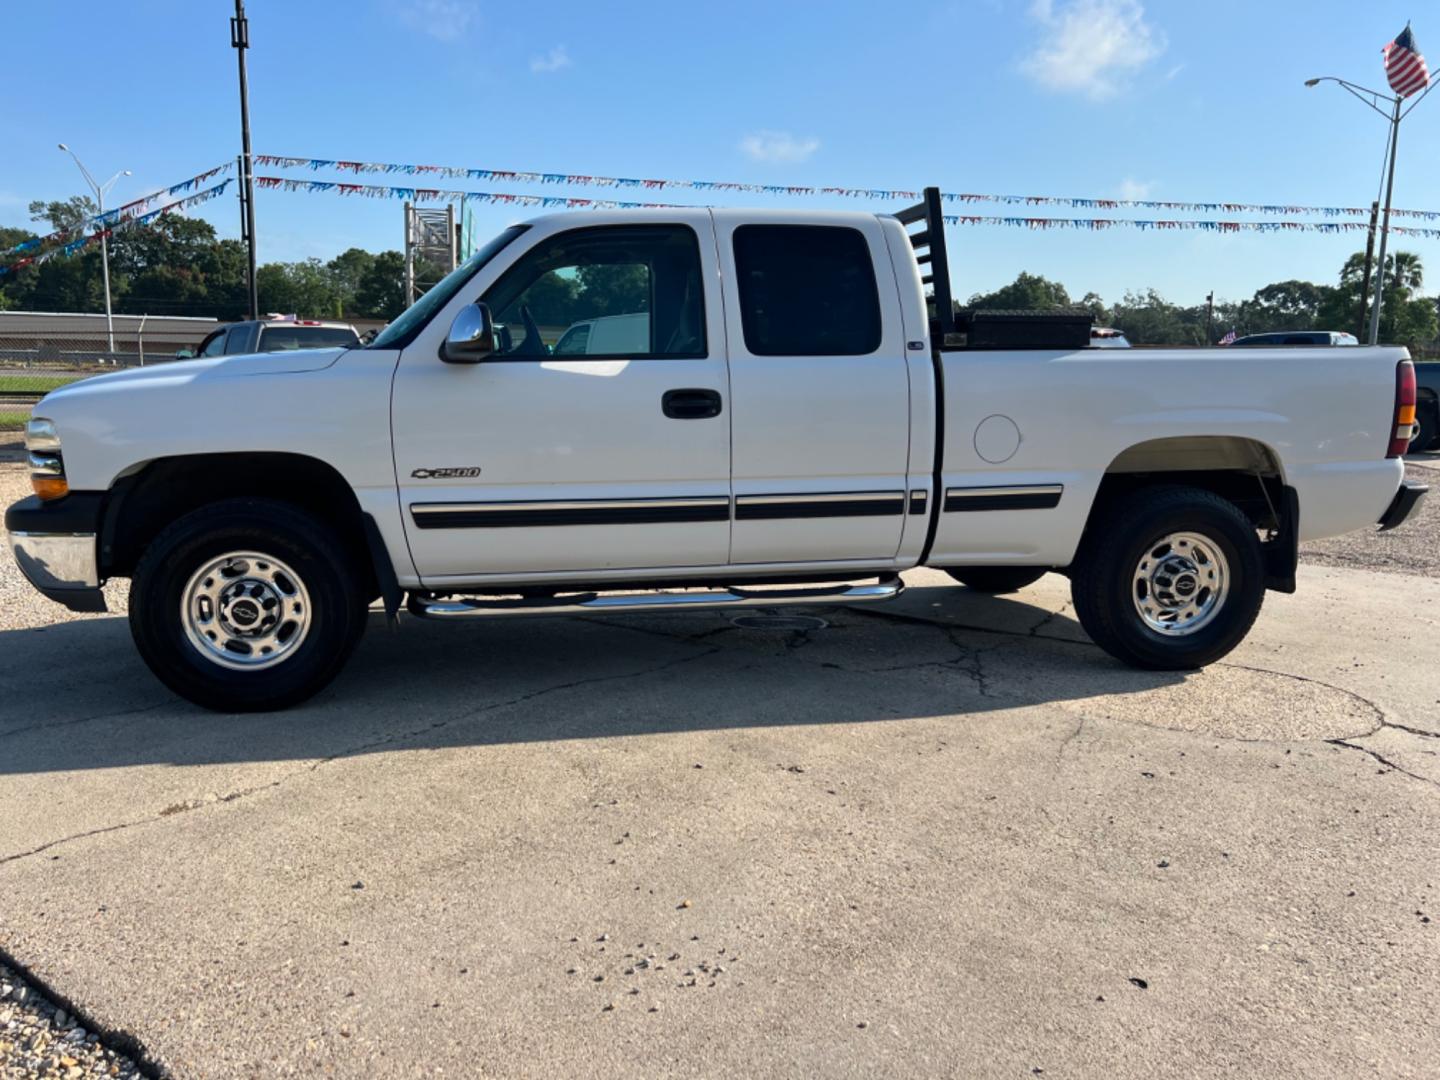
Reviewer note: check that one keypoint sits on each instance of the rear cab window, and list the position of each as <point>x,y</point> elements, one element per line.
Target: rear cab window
<point>807,290</point>
<point>285,338</point>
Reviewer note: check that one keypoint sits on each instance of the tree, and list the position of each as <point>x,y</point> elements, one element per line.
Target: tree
<point>1028,292</point>
<point>64,215</point>
<point>1285,305</point>
<point>380,291</point>
<point>304,288</point>
<point>347,270</point>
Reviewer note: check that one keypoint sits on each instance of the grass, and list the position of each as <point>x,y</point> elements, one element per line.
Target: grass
<point>26,383</point>
<point>13,421</point>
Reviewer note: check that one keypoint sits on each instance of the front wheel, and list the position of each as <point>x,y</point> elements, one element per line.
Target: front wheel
<point>1171,579</point>
<point>246,605</point>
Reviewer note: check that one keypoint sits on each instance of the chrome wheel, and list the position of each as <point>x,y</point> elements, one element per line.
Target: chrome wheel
<point>1180,584</point>
<point>245,611</point>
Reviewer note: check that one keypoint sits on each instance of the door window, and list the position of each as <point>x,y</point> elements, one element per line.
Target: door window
<point>214,344</point>
<point>632,292</point>
<point>806,290</point>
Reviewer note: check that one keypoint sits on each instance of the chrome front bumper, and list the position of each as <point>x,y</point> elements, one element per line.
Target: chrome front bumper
<point>63,566</point>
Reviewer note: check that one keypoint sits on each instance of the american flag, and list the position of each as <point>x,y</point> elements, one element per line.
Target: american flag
<point>1404,66</point>
<point>1228,339</point>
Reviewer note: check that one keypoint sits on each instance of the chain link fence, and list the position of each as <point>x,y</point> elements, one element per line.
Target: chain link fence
<point>41,352</point>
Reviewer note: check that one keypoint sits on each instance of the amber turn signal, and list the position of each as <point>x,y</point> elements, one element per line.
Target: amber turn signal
<point>50,488</point>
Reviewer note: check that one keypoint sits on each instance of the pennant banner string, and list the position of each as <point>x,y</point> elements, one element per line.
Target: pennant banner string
<point>419,194</point>
<point>78,242</point>
<point>872,194</point>
<point>119,213</point>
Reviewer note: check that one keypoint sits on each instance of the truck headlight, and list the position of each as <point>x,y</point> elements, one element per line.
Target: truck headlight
<point>47,468</point>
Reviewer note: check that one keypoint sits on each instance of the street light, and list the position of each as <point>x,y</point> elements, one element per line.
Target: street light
<point>100,190</point>
<point>1372,99</point>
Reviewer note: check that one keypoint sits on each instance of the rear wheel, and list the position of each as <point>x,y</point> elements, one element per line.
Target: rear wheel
<point>1171,579</point>
<point>246,605</point>
<point>996,579</point>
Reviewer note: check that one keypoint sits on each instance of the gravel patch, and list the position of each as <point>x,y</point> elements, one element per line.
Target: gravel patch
<point>40,1039</point>
<point>1413,548</point>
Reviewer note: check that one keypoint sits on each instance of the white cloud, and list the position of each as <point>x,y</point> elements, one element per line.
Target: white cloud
<point>778,146</point>
<point>554,60</point>
<point>1135,189</point>
<point>1174,71</point>
<point>444,20</point>
<point>1089,47</point>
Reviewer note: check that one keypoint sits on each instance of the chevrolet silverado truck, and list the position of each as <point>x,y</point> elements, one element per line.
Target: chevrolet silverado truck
<point>803,417</point>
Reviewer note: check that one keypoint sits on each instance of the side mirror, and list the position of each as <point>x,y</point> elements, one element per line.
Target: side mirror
<point>471,338</point>
<point>184,354</point>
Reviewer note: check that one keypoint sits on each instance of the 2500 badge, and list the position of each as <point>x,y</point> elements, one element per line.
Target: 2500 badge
<point>460,472</point>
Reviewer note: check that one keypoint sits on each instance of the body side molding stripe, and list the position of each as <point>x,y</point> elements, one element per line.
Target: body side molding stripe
<point>1014,497</point>
<point>519,514</point>
<point>819,505</point>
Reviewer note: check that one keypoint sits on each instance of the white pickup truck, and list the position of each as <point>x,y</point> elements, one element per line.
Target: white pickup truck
<point>800,414</point>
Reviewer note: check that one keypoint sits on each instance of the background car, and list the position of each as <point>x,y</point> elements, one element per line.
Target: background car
<point>1297,337</point>
<point>273,335</point>
<point>1104,337</point>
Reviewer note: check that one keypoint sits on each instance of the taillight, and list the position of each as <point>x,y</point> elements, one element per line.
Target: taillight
<point>1404,428</point>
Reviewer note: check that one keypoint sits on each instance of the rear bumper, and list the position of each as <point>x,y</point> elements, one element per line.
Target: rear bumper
<point>1411,494</point>
<point>54,546</point>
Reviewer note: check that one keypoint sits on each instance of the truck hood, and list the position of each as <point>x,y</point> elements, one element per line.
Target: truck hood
<point>180,372</point>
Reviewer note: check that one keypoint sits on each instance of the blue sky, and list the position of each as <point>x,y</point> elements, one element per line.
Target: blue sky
<point>1162,99</point>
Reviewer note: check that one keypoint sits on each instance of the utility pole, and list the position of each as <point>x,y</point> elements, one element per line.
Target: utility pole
<point>1210,317</point>
<point>240,41</point>
<point>1385,226</point>
<point>1369,265</point>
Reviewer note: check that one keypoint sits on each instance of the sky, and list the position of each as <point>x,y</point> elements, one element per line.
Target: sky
<point>1161,99</point>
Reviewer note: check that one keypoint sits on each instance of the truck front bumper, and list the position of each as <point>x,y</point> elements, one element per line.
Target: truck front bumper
<point>1411,494</point>
<point>54,546</point>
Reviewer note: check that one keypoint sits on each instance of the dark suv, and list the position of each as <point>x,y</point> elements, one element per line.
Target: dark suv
<point>1296,337</point>
<point>273,335</point>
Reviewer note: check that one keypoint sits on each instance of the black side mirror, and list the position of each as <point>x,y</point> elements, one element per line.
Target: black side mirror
<point>471,338</point>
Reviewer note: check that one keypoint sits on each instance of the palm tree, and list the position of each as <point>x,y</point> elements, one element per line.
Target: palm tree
<point>1407,271</point>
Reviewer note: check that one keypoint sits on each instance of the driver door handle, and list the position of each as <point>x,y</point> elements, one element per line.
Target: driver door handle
<point>691,404</point>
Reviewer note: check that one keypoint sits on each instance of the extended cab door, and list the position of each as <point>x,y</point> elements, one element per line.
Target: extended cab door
<point>820,398</point>
<point>591,462</point>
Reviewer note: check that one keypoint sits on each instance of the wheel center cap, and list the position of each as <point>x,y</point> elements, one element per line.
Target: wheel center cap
<point>244,612</point>
<point>1185,585</point>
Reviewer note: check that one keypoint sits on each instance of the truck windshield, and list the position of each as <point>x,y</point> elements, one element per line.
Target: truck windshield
<point>409,323</point>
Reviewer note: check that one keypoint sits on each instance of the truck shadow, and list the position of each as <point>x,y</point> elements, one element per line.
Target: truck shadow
<point>76,695</point>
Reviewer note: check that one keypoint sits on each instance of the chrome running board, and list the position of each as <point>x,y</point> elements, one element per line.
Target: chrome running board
<point>620,603</point>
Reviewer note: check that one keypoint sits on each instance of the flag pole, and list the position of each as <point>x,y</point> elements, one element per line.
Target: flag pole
<point>1385,226</point>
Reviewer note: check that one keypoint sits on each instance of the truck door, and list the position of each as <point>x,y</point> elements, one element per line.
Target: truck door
<point>820,407</point>
<point>595,460</point>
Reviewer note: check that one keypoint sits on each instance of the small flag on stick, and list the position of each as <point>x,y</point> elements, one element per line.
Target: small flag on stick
<point>1404,66</point>
<point>1228,339</point>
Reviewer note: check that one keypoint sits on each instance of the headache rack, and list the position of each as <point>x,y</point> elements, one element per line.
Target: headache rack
<point>969,328</point>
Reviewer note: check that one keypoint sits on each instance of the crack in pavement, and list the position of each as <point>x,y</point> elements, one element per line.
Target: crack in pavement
<point>1383,761</point>
<point>84,719</point>
<point>179,808</point>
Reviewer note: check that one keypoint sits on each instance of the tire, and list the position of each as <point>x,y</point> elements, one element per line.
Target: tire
<point>1127,542</point>
<point>293,565</point>
<point>1429,429</point>
<point>997,579</point>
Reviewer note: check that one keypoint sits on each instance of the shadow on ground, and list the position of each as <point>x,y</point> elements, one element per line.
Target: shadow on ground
<point>80,698</point>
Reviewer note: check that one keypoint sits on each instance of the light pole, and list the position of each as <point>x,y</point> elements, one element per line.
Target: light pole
<point>1393,115</point>
<point>100,190</point>
<point>240,41</point>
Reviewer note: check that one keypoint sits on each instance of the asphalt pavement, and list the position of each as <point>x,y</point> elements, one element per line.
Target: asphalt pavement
<point>947,837</point>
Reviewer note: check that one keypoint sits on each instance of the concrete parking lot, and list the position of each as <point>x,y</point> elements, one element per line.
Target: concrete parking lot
<point>944,838</point>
